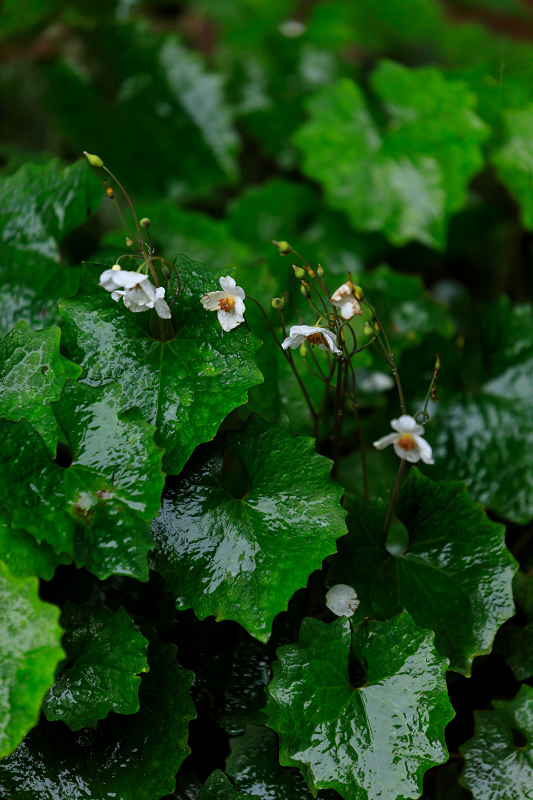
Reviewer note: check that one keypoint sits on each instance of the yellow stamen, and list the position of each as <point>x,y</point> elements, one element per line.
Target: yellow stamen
<point>316,338</point>
<point>226,304</point>
<point>406,442</point>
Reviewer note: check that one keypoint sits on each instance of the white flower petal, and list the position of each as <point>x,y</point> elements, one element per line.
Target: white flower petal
<point>117,294</point>
<point>211,300</point>
<point>228,284</point>
<point>342,600</point>
<point>385,441</point>
<point>162,308</point>
<point>239,308</point>
<point>107,280</point>
<point>293,341</point>
<point>426,453</point>
<point>131,305</point>
<point>408,455</point>
<point>229,319</point>
<point>406,424</point>
<point>339,295</point>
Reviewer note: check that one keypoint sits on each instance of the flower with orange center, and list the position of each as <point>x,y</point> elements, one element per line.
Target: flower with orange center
<point>322,337</point>
<point>229,303</point>
<point>408,442</point>
<point>344,299</point>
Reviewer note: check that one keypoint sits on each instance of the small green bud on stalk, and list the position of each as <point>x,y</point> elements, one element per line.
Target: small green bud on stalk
<point>358,292</point>
<point>284,248</point>
<point>303,350</point>
<point>368,329</point>
<point>94,161</point>
<point>129,243</point>
<point>320,271</point>
<point>165,270</point>
<point>311,273</point>
<point>145,223</point>
<point>299,272</point>
<point>278,303</point>
<point>304,288</point>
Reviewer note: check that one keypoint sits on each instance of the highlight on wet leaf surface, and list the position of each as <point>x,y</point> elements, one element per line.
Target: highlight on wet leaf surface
<point>370,731</point>
<point>456,567</point>
<point>106,654</point>
<point>220,554</point>
<point>32,375</point>
<point>407,178</point>
<point>31,649</point>
<point>186,403</point>
<point>98,509</point>
<point>498,758</point>
<point>127,756</point>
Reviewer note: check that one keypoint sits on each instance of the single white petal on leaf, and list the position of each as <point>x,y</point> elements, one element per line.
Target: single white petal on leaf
<point>342,600</point>
<point>408,442</point>
<point>322,337</point>
<point>229,303</point>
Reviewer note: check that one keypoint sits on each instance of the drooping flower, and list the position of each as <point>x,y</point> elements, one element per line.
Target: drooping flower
<point>322,337</point>
<point>408,442</point>
<point>229,303</point>
<point>344,298</point>
<point>342,600</point>
<point>137,291</point>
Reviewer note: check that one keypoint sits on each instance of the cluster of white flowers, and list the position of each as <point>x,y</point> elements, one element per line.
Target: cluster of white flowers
<point>137,291</point>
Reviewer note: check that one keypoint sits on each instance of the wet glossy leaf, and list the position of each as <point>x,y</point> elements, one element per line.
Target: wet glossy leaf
<point>489,423</point>
<point>218,787</point>
<point>31,649</point>
<point>515,159</point>
<point>514,642</point>
<point>24,555</point>
<point>99,508</point>
<point>221,555</point>
<point>498,759</point>
<point>39,205</point>
<point>374,739</point>
<point>127,757</point>
<point>408,178</point>
<point>187,403</point>
<point>106,656</point>
<point>32,375</point>
<point>456,567</point>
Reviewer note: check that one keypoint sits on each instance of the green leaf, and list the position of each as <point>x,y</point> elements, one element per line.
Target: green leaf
<point>186,403</point>
<point>515,643</point>
<point>108,653</point>
<point>407,179</point>
<point>498,759</point>
<point>218,787</point>
<point>454,577</point>
<point>373,737</point>
<point>31,649</point>
<point>127,757</point>
<point>220,554</point>
<point>514,159</point>
<point>32,375</point>
<point>99,508</point>
<point>39,206</point>
<point>489,421</point>
<point>24,555</point>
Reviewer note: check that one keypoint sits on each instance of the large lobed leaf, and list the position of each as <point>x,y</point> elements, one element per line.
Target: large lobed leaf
<point>31,648</point>
<point>243,559</point>
<point>185,386</point>
<point>24,555</point>
<point>98,510</point>
<point>127,757</point>
<point>408,178</point>
<point>455,577</point>
<point>107,654</point>
<point>32,375</point>
<point>371,740</point>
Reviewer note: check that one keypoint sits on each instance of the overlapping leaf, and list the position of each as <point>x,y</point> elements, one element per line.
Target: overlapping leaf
<point>218,787</point>
<point>514,642</point>
<point>407,179</point>
<point>31,649</point>
<point>98,510</point>
<point>127,756</point>
<point>185,386</point>
<point>107,653</point>
<point>243,559</point>
<point>374,739</point>
<point>455,577</point>
<point>498,759</point>
<point>39,205</point>
<point>24,555</point>
<point>32,375</point>
<point>514,159</point>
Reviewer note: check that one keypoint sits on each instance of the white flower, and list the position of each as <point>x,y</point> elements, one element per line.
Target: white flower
<point>138,292</point>
<point>326,340</point>
<point>342,600</point>
<point>408,442</point>
<point>345,299</point>
<point>229,303</point>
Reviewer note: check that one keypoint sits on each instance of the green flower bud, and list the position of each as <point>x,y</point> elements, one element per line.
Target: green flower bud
<point>304,288</point>
<point>368,329</point>
<point>283,247</point>
<point>165,270</point>
<point>358,292</point>
<point>320,271</point>
<point>303,350</point>
<point>278,303</point>
<point>145,222</point>
<point>128,241</point>
<point>299,272</point>
<point>94,161</point>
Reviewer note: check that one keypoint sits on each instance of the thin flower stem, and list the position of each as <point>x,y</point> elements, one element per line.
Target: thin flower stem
<point>393,500</point>
<point>119,212</point>
<point>124,192</point>
<point>320,297</point>
<point>353,400</point>
<point>391,357</point>
<point>338,418</point>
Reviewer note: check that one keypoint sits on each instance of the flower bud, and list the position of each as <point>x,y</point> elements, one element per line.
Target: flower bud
<point>116,267</point>
<point>278,303</point>
<point>165,270</point>
<point>299,272</point>
<point>320,271</point>
<point>129,243</point>
<point>304,288</point>
<point>94,161</point>
<point>109,190</point>
<point>283,247</point>
<point>311,273</point>
<point>145,223</point>
<point>368,329</point>
<point>303,350</point>
<point>358,292</point>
